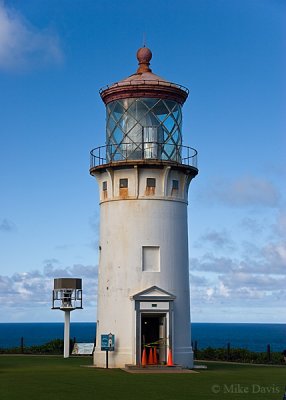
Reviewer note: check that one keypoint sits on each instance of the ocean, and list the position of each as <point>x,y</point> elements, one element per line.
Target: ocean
<point>254,337</point>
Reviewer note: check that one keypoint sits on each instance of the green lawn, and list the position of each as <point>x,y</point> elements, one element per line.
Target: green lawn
<point>55,378</point>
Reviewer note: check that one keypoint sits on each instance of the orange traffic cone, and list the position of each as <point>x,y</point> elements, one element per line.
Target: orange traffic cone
<point>150,358</point>
<point>170,359</point>
<point>155,359</point>
<point>144,358</point>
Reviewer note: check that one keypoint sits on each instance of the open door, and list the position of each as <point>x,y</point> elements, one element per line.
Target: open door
<point>154,309</point>
<point>153,334</point>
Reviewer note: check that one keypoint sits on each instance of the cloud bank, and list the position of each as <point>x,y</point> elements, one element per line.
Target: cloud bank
<point>32,291</point>
<point>247,282</point>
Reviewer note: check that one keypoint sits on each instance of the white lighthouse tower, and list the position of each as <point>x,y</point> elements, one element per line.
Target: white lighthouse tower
<point>143,172</point>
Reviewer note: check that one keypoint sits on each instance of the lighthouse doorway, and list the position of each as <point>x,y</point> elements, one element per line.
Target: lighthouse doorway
<point>154,315</point>
<point>153,334</point>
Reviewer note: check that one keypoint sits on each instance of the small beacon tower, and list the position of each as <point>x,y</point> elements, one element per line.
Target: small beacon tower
<point>67,296</point>
<point>143,173</point>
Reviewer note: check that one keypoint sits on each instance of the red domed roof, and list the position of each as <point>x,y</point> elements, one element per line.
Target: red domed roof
<point>144,83</point>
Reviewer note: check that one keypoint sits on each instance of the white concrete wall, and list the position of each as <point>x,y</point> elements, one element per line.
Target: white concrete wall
<point>129,221</point>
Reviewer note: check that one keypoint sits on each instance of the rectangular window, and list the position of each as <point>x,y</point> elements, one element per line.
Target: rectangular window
<point>123,183</point>
<point>175,184</point>
<point>151,182</point>
<point>151,258</point>
<point>104,185</point>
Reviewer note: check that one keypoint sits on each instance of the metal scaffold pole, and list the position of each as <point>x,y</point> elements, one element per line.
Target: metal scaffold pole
<point>67,335</point>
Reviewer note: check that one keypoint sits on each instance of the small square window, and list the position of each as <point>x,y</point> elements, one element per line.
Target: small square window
<point>175,184</point>
<point>123,183</point>
<point>151,258</point>
<point>151,182</point>
<point>104,185</point>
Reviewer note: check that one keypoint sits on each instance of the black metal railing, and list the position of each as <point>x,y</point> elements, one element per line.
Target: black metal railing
<point>148,151</point>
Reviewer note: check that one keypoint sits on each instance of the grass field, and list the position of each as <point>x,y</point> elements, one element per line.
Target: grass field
<point>55,378</point>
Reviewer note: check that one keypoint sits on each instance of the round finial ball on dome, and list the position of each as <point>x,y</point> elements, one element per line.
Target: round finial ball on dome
<point>144,55</point>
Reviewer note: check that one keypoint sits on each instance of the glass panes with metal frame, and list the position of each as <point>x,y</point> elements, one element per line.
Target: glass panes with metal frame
<point>144,128</point>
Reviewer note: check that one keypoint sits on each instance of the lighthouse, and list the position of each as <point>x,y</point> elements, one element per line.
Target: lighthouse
<point>143,172</point>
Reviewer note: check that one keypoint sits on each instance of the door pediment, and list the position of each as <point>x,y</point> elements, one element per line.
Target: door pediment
<point>153,293</point>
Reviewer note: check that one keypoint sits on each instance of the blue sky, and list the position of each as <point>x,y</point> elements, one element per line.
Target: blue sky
<point>54,57</point>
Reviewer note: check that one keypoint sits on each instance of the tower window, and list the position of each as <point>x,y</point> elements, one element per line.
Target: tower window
<point>123,183</point>
<point>151,258</point>
<point>104,185</point>
<point>151,182</point>
<point>175,184</point>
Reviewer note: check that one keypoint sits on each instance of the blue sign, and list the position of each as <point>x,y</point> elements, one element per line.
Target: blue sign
<point>107,342</point>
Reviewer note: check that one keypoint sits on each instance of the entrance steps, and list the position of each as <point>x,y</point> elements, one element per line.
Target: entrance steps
<point>156,369</point>
<point>152,367</point>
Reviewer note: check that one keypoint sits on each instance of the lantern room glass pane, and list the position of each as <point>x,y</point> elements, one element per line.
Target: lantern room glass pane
<point>144,128</point>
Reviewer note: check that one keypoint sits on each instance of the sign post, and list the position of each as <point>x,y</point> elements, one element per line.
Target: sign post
<point>107,344</point>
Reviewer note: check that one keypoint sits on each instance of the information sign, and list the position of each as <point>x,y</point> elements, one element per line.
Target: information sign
<point>107,342</point>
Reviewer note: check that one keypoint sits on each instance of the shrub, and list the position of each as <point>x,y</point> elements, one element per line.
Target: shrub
<point>238,355</point>
<point>55,346</point>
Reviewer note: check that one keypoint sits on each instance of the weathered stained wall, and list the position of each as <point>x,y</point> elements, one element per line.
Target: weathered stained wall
<point>128,222</point>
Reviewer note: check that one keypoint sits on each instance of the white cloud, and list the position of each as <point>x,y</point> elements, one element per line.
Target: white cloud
<point>33,289</point>
<point>252,191</point>
<point>211,263</point>
<point>210,292</point>
<point>217,239</point>
<point>255,279</point>
<point>247,191</point>
<point>242,280</point>
<point>224,291</point>
<point>269,258</point>
<point>198,280</point>
<point>22,45</point>
<point>243,290</point>
<point>275,256</point>
<point>280,224</point>
<point>252,225</point>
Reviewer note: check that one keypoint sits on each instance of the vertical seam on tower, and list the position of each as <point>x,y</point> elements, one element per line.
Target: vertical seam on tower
<point>136,181</point>
<point>165,178</point>
<point>111,175</point>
